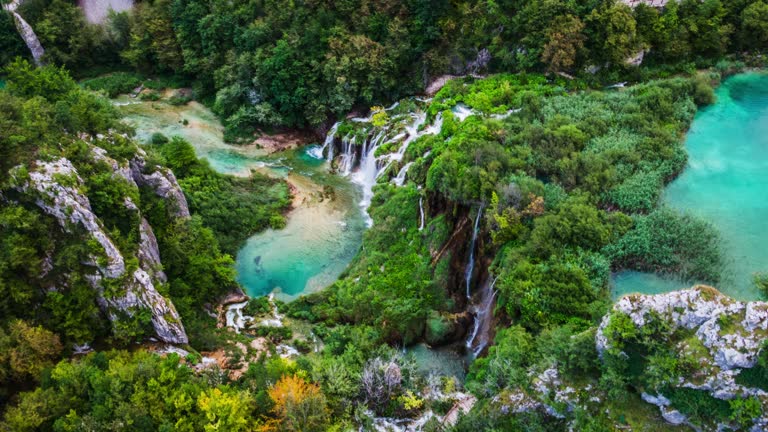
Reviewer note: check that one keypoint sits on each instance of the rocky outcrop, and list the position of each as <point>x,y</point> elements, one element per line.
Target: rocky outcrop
<point>149,252</point>
<point>705,311</point>
<point>723,335</point>
<point>71,208</point>
<point>163,182</point>
<point>57,188</point>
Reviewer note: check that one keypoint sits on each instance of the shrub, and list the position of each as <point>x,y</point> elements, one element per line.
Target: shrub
<point>114,84</point>
<point>666,241</point>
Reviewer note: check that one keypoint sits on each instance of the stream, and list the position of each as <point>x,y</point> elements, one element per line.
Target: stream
<point>724,183</point>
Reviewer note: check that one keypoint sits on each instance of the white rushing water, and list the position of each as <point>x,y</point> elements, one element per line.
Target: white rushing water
<point>235,318</point>
<point>358,159</point>
<point>471,263</point>
<point>421,213</point>
<point>328,143</point>
<point>400,177</point>
<point>483,312</point>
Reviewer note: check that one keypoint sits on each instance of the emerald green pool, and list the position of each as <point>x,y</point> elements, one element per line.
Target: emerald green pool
<point>726,183</point>
<point>322,233</point>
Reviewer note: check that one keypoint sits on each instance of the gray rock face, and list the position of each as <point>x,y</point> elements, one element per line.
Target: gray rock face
<point>149,252</point>
<point>70,207</point>
<point>57,187</point>
<point>732,332</point>
<point>141,293</point>
<point>674,417</point>
<point>702,309</point>
<point>164,184</point>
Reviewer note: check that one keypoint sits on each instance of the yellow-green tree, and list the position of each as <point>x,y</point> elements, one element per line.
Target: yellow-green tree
<point>299,405</point>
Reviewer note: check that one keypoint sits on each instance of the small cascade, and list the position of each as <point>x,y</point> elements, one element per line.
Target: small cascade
<point>369,170</point>
<point>421,213</point>
<point>276,320</point>
<point>471,263</point>
<point>399,180</point>
<point>412,132</point>
<point>347,161</point>
<point>26,33</point>
<point>483,312</point>
<point>235,318</point>
<point>461,112</point>
<point>328,143</point>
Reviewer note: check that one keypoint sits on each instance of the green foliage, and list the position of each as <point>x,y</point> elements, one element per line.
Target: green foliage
<point>256,202</point>
<point>760,281</point>
<point>638,193</point>
<point>11,44</point>
<point>666,241</point>
<point>756,376</point>
<point>699,405</point>
<point>114,84</point>
<point>141,389</point>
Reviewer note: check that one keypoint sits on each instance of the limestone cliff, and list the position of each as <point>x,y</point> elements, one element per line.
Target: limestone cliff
<point>722,337</point>
<point>57,188</point>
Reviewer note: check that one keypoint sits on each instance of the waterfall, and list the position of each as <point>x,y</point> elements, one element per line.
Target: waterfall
<point>347,155</point>
<point>483,310</point>
<point>328,143</point>
<point>368,172</point>
<point>471,263</point>
<point>27,34</point>
<point>399,180</point>
<point>421,213</point>
<point>235,318</point>
<point>461,112</point>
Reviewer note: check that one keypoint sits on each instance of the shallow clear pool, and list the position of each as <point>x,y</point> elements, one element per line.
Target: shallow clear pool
<point>322,234</point>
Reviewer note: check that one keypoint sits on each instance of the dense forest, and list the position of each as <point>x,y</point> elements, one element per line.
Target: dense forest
<point>260,63</point>
<point>111,250</point>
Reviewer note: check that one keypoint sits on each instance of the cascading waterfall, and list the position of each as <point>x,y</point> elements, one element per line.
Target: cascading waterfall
<point>368,172</point>
<point>328,143</point>
<point>483,311</point>
<point>370,168</point>
<point>400,178</point>
<point>421,213</point>
<point>347,155</point>
<point>27,34</point>
<point>471,263</point>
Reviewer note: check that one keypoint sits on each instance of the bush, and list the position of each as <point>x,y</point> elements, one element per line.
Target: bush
<point>638,193</point>
<point>666,241</point>
<point>699,406</point>
<point>114,84</point>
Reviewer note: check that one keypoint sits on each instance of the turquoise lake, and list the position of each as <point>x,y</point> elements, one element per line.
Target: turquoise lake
<point>725,183</point>
<point>322,233</point>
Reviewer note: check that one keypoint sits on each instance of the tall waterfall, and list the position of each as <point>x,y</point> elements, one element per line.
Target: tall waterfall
<point>26,33</point>
<point>471,263</point>
<point>483,311</point>
<point>347,155</point>
<point>421,213</point>
<point>368,172</point>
